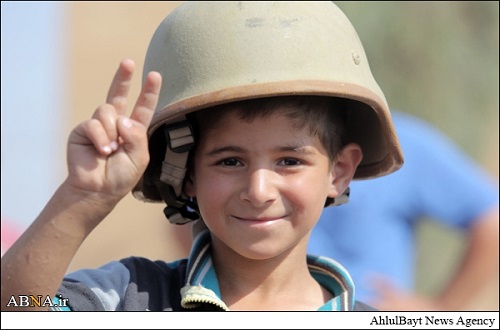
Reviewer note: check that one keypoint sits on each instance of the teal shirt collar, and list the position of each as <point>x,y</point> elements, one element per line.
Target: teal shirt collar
<point>202,287</point>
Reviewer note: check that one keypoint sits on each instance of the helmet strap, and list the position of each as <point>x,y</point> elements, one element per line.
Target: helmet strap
<point>342,199</point>
<point>180,140</point>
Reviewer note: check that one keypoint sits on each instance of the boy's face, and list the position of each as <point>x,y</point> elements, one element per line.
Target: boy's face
<point>261,185</point>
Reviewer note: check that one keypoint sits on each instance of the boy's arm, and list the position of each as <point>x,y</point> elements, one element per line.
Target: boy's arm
<point>38,260</point>
<point>106,157</point>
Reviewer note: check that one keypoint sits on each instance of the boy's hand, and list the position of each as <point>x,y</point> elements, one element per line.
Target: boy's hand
<point>108,153</point>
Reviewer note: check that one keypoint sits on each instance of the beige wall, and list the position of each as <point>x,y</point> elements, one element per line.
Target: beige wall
<point>100,35</point>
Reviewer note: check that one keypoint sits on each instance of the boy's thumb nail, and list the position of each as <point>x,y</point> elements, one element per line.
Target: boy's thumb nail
<point>126,122</point>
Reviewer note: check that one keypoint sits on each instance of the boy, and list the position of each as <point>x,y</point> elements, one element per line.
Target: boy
<point>266,112</point>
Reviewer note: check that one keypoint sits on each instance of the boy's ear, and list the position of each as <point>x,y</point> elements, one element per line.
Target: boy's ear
<point>344,168</point>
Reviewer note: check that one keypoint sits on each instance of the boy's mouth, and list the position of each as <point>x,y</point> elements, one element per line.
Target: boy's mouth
<point>258,219</point>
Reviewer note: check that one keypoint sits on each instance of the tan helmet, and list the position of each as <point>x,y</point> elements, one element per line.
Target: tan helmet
<point>214,52</point>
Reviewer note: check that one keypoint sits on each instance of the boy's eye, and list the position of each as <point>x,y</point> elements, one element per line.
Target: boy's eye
<point>230,162</point>
<point>290,162</point>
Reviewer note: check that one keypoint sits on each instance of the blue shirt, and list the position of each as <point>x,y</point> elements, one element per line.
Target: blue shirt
<point>375,230</point>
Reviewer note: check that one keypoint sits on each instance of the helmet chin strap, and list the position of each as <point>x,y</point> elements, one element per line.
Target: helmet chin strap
<point>342,199</point>
<point>180,208</point>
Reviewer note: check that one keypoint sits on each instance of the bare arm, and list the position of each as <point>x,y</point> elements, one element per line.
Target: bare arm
<point>106,157</point>
<point>476,271</point>
<point>479,265</point>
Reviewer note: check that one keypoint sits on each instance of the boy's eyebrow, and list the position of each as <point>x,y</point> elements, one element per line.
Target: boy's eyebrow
<point>220,150</point>
<point>301,149</point>
<point>298,149</point>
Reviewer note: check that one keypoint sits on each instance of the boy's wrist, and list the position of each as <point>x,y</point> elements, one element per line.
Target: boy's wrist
<point>81,208</point>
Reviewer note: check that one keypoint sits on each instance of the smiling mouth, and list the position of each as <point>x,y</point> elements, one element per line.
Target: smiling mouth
<point>261,219</point>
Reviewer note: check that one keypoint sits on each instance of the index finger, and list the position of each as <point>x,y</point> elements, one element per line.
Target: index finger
<point>120,86</point>
<point>148,99</point>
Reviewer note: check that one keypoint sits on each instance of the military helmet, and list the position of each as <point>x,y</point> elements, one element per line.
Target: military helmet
<point>210,53</point>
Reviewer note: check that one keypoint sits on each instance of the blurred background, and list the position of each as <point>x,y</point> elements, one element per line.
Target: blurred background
<point>437,60</point>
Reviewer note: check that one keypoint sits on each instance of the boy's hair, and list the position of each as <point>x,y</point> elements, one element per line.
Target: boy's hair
<point>321,115</point>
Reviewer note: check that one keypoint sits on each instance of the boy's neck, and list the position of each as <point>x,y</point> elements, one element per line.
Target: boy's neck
<point>281,283</point>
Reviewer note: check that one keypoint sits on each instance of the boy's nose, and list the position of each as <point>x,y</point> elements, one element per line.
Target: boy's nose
<point>260,188</point>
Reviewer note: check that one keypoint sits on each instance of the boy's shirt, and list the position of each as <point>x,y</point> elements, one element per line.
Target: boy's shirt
<point>139,284</point>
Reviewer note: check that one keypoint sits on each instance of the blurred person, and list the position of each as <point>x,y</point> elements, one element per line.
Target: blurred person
<point>438,182</point>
